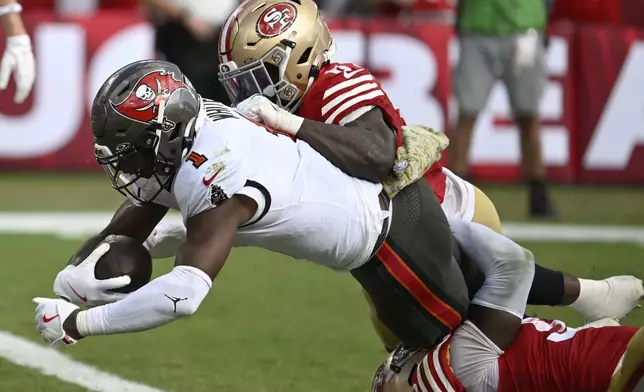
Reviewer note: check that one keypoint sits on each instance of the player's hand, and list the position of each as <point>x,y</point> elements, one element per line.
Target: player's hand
<point>50,317</point>
<point>18,59</point>
<point>79,285</point>
<point>259,108</point>
<point>165,240</point>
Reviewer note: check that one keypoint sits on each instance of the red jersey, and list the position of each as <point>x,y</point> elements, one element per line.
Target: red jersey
<point>344,92</point>
<point>548,356</point>
<point>545,356</point>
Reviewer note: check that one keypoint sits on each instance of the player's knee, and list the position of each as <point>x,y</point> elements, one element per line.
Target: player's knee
<point>522,265</point>
<point>495,253</point>
<point>520,270</point>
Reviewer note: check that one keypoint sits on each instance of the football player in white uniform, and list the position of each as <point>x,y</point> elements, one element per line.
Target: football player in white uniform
<point>237,183</point>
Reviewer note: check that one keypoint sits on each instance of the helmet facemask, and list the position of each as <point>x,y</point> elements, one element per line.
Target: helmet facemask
<point>143,169</point>
<point>395,373</point>
<point>274,48</point>
<point>265,76</point>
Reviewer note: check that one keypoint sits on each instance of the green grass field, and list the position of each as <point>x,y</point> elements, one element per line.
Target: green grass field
<point>270,323</point>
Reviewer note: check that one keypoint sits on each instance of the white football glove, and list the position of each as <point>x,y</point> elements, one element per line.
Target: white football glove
<point>79,285</point>
<point>50,316</point>
<point>165,240</point>
<point>18,59</point>
<point>260,108</point>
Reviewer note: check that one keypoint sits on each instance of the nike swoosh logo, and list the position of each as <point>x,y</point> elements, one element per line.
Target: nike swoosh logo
<point>211,179</point>
<point>84,299</point>
<point>350,74</point>
<point>46,319</point>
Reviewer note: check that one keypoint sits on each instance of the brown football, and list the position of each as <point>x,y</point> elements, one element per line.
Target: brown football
<point>126,256</point>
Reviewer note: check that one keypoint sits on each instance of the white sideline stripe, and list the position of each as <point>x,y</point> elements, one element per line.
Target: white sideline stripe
<point>52,363</point>
<point>74,224</point>
<point>67,224</point>
<point>574,233</point>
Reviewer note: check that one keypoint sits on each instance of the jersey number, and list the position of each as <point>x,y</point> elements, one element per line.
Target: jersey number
<point>569,333</point>
<point>196,159</point>
<point>348,72</point>
<point>563,334</point>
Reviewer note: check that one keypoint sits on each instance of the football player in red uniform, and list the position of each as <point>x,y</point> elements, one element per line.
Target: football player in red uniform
<point>496,351</point>
<point>276,65</point>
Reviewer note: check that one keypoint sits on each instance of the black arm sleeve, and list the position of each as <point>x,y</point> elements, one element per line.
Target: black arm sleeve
<point>364,148</point>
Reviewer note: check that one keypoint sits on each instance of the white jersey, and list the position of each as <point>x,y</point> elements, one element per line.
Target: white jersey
<point>307,207</point>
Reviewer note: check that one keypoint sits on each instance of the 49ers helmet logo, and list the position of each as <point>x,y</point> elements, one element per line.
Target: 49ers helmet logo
<point>142,104</point>
<point>276,19</point>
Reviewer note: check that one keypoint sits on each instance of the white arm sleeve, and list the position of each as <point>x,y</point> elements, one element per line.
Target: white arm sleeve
<point>167,298</point>
<point>508,267</point>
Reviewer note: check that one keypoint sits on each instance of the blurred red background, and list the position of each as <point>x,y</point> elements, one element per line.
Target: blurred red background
<point>592,111</point>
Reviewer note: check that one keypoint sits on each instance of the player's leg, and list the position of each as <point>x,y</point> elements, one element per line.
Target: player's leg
<point>485,212</point>
<point>549,287</point>
<point>414,282</point>
<point>613,297</point>
<point>630,377</point>
<point>388,339</point>
<point>494,317</point>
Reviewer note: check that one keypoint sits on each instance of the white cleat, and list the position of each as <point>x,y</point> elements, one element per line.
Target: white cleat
<point>611,298</point>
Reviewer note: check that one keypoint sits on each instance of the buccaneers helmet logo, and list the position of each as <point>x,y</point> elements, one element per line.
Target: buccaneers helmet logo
<point>142,104</point>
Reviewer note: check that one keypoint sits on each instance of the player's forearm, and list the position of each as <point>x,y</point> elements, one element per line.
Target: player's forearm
<point>11,22</point>
<point>167,298</point>
<point>359,149</point>
<point>128,220</point>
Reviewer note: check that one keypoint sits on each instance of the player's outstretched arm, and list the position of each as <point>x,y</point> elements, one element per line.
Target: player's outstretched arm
<point>178,293</point>
<point>76,283</point>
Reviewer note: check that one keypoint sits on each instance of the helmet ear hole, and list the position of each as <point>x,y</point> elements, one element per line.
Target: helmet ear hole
<point>305,56</point>
<point>175,131</point>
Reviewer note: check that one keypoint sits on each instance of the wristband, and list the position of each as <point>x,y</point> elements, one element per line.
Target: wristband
<point>10,9</point>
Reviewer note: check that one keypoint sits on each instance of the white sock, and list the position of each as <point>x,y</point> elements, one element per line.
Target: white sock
<point>589,293</point>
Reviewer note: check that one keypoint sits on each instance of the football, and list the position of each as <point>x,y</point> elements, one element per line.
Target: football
<point>126,256</point>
